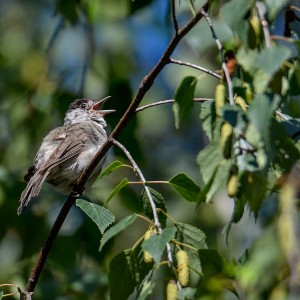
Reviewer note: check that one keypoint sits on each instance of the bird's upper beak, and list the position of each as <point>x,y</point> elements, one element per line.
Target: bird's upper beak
<point>98,105</point>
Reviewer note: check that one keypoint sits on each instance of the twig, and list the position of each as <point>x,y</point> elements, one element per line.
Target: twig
<point>220,47</point>
<point>151,200</point>
<point>207,71</point>
<point>144,86</point>
<point>175,23</point>
<point>143,181</point>
<point>264,23</point>
<point>169,101</point>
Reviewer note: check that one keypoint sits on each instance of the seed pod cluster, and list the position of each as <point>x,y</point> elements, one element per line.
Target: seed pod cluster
<point>183,270</point>
<point>226,139</point>
<point>171,292</point>
<point>219,98</point>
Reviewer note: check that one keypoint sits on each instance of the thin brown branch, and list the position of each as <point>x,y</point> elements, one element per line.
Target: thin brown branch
<point>207,71</point>
<point>175,23</point>
<point>144,86</point>
<point>220,47</point>
<point>169,101</point>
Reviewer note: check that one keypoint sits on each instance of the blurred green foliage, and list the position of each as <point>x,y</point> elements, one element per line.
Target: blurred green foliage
<point>52,53</point>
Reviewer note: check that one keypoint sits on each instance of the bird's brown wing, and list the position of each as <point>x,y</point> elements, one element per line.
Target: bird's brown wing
<point>71,145</point>
<point>73,141</point>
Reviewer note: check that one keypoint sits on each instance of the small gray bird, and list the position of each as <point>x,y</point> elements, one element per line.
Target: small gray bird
<point>66,151</point>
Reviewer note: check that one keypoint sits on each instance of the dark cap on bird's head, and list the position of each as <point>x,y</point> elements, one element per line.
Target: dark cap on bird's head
<point>88,104</point>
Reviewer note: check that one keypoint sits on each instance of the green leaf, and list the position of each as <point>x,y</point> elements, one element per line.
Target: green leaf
<point>126,271</point>
<point>267,63</point>
<point>156,244</point>
<point>191,235</point>
<point>208,159</point>
<point>260,114</point>
<point>212,262</point>
<point>186,293</point>
<point>234,11</point>
<point>295,82</point>
<point>99,214</point>
<point>147,289</point>
<point>1,295</point>
<point>216,182</point>
<point>116,229</point>
<point>115,191</point>
<point>273,7</point>
<point>184,99</point>
<point>145,206</point>
<point>253,189</point>
<point>185,187</point>
<point>209,119</point>
<point>109,169</point>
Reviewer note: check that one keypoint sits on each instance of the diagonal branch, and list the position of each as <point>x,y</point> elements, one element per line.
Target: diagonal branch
<point>144,86</point>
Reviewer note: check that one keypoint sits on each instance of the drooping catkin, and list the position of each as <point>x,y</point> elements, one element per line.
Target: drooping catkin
<point>171,292</point>
<point>183,270</point>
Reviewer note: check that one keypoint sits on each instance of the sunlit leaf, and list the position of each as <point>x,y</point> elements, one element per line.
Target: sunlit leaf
<point>185,187</point>
<point>156,244</point>
<point>115,165</point>
<point>116,229</point>
<point>191,235</point>
<point>99,214</point>
<point>116,190</point>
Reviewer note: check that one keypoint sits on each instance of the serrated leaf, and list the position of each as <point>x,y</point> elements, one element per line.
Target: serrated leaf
<point>116,229</point>
<point>100,215</point>
<point>253,189</point>
<point>260,114</point>
<point>145,206</point>
<point>233,12</point>
<point>116,190</point>
<point>185,187</point>
<point>208,159</point>
<point>147,289</point>
<point>126,272</point>
<point>110,168</point>
<point>186,293</point>
<point>267,63</point>
<point>191,235</point>
<point>156,244</point>
<point>209,119</point>
<point>184,99</point>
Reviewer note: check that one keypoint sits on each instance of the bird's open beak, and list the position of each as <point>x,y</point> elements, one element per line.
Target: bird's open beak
<point>98,105</point>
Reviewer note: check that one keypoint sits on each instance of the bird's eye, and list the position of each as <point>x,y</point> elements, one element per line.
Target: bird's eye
<point>83,106</point>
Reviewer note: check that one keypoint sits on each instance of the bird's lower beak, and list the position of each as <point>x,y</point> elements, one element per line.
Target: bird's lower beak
<point>98,105</point>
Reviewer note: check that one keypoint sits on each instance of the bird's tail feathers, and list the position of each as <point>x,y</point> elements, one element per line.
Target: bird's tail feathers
<point>32,189</point>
